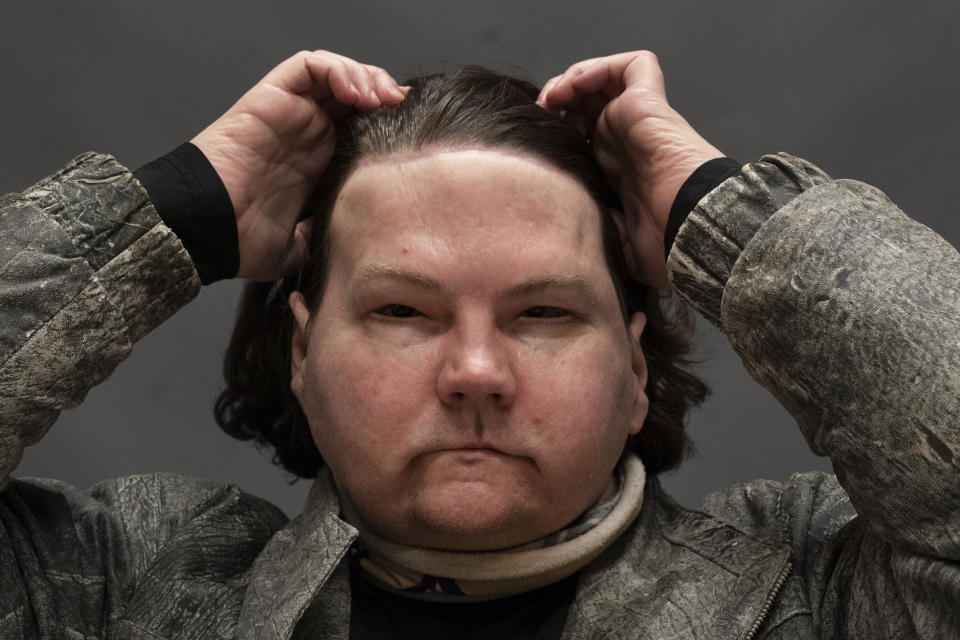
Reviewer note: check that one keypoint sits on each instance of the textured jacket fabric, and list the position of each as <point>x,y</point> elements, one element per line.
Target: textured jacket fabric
<point>840,305</point>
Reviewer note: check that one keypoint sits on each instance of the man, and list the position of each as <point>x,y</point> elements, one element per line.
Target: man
<point>778,255</point>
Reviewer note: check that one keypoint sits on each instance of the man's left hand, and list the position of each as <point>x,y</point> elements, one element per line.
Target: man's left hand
<point>646,149</point>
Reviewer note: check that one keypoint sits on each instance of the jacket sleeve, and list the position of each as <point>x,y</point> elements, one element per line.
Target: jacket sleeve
<point>86,269</point>
<point>849,313</point>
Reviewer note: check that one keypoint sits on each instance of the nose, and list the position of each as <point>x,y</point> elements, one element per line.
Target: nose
<point>476,368</point>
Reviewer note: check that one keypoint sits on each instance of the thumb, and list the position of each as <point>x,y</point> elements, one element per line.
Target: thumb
<point>299,251</point>
<point>620,221</point>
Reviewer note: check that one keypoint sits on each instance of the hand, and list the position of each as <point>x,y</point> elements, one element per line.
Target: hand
<point>646,149</point>
<point>271,146</point>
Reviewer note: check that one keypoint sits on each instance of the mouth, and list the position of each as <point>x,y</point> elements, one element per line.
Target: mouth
<point>473,456</point>
<point>474,449</point>
<point>474,446</point>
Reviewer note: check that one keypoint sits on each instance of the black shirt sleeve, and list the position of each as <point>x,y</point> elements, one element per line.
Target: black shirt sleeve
<point>705,179</point>
<point>191,200</point>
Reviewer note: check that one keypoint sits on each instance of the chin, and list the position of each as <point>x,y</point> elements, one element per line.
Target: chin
<point>472,516</point>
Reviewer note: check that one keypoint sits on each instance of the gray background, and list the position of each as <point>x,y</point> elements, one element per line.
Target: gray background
<point>867,90</point>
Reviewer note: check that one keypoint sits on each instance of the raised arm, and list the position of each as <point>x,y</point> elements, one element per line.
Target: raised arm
<point>849,313</point>
<point>88,266</point>
<point>842,307</point>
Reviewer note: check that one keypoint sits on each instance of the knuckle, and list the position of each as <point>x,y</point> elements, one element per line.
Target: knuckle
<point>299,58</point>
<point>648,56</point>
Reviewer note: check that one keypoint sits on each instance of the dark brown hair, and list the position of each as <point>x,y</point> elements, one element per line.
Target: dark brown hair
<point>470,108</point>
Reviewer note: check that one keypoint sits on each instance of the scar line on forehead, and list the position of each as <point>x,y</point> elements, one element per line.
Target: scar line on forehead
<point>410,156</point>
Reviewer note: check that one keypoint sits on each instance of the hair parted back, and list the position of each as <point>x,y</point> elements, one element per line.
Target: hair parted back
<point>470,108</point>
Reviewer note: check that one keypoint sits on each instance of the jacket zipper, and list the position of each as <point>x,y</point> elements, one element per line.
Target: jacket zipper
<point>781,578</point>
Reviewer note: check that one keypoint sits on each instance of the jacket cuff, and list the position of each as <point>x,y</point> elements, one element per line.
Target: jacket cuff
<point>712,237</point>
<point>705,179</point>
<point>192,200</point>
<point>141,267</point>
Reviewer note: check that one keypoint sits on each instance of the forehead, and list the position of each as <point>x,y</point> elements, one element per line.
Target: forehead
<point>464,204</point>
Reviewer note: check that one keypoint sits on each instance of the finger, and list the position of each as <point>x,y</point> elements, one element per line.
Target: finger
<point>612,75</point>
<point>307,72</point>
<point>361,93</point>
<point>364,93</point>
<point>544,98</point>
<point>328,74</point>
<point>561,91</point>
<point>562,102</point>
<point>342,87</point>
<point>299,252</point>
<point>370,99</point>
<point>386,87</point>
<point>602,77</point>
<point>644,70</point>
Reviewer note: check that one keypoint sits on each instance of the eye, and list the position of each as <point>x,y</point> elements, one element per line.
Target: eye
<point>397,311</point>
<point>545,312</point>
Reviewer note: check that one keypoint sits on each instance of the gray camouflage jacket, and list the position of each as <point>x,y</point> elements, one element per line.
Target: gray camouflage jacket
<point>844,308</point>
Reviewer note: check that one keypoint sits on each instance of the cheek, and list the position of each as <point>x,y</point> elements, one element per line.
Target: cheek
<point>360,402</point>
<point>580,404</point>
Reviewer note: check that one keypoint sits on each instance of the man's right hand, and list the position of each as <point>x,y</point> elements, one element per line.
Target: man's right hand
<point>273,144</point>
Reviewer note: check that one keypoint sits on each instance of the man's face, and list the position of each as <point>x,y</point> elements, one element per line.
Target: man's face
<point>467,376</point>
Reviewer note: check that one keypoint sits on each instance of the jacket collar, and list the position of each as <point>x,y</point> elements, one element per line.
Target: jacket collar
<point>297,565</point>
<point>675,573</point>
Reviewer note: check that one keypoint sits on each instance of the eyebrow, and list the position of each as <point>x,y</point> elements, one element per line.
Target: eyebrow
<point>383,272</point>
<point>578,284</point>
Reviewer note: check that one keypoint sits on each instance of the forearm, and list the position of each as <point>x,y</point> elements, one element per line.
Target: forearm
<point>87,268</point>
<point>848,312</point>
